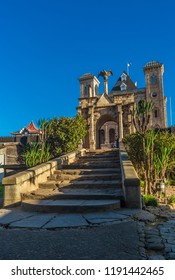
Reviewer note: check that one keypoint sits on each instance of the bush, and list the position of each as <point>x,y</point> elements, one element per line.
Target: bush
<point>171,199</point>
<point>64,134</point>
<point>1,190</point>
<point>150,200</point>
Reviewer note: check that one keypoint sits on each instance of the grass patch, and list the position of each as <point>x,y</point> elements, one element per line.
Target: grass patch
<point>1,191</point>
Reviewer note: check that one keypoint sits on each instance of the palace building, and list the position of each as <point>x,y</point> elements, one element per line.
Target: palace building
<point>109,114</point>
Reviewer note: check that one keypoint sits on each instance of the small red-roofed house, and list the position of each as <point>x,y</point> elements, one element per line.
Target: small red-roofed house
<point>27,134</point>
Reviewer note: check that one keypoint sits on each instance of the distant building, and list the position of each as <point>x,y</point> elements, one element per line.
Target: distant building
<point>27,134</point>
<point>109,115</point>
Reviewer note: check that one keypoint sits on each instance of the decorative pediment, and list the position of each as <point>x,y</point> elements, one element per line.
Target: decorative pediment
<point>104,100</point>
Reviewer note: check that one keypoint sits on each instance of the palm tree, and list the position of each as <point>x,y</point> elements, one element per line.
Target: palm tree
<point>43,125</point>
<point>141,117</point>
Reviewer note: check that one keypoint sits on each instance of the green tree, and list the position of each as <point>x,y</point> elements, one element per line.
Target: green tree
<point>64,134</point>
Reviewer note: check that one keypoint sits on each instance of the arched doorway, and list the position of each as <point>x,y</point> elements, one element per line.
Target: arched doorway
<point>112,134</point>
<point>106,131</point>
<point>102,136</point>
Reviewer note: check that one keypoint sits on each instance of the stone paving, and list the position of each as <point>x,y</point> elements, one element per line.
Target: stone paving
<point>15,218</point>
<point>155,240</point>
<point>158,236</point>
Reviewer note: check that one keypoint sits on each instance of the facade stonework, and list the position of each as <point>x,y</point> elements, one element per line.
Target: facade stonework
<point>109,115</point>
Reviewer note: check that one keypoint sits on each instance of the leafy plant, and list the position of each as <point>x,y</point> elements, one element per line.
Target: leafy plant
<point>171,199</point>
<point>158,159</point>
<point>150,200</point>
<point>36,153</point>
<point>1,190</point>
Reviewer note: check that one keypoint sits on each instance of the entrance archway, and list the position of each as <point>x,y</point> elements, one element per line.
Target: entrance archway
<point>106,131</point>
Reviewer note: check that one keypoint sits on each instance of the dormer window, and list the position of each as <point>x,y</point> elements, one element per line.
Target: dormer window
<point>123,77</point>
<point>123,86</point>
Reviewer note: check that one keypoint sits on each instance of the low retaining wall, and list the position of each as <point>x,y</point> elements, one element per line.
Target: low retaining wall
<point>29,180</point>
<point>130,181</point>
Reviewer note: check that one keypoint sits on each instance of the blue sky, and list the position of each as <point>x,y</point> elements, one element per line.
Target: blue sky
<point>45,45</point>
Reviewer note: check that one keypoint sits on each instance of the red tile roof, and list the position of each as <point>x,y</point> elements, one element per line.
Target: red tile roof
<point>32,128</point>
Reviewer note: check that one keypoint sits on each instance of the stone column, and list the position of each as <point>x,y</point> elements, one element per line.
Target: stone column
<point>106,134</point>
<point>106,85</point>
<point>120,122</point>
<point>91,130</point>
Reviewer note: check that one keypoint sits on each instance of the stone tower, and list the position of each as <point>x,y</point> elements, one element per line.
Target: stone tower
<point>155,92</point>
<point>88,86</point>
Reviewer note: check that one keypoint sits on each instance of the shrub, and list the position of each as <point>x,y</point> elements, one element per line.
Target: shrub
<point>150,200</point>
<point>171,199</point>
<point>1,190</point>
<point>36,153</point>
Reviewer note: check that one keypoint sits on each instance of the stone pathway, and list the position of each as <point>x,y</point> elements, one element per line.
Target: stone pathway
<point>15,218</point>
<point>158,234</point>
<point>155,238</point>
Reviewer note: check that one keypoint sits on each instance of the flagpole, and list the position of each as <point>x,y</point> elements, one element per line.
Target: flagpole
<point>170,112</point>
<point>127,68</point>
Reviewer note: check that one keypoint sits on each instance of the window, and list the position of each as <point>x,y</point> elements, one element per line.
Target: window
<point>153,79</point>
<point>123,86</point>
<point>156,113</point>
<point>154,94</point>
<point>123,77</point>
<point>86,91</point>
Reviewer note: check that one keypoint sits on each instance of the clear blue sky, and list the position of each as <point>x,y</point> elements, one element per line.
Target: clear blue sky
<point>45,45</point>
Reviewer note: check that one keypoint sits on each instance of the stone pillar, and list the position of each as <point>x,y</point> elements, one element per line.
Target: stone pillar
<point>106,134</point>
<point>91,131</point>
<point>120,122</point>
<point>106,85</point>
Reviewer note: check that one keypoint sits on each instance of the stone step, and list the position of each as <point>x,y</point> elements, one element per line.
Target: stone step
<point>68,193</point>
<point>83,183</point>
<point>92,176</point>
<point>70,205</point>
<point>91,184</point>
<point>50,184</point>
<point>89,177</point>
<point>92,165</point>
<point>88,171</point>
<point>97,161</point>
<point>103,153</point>
<point>97,158</point>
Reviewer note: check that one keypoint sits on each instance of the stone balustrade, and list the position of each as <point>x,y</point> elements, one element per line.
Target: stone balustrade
<point>29,180</point>
<point>130,181</point>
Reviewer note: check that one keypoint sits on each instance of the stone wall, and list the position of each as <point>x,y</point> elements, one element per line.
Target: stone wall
<point>29,180</point>
<point>2,161</point>
<point>130,181</point>
<point>12,151</point>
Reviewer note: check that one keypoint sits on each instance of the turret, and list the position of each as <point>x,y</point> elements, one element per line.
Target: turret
<point>88,86</point>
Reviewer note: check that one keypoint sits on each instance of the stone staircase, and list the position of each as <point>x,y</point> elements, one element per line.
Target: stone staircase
<point>93,183</point>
